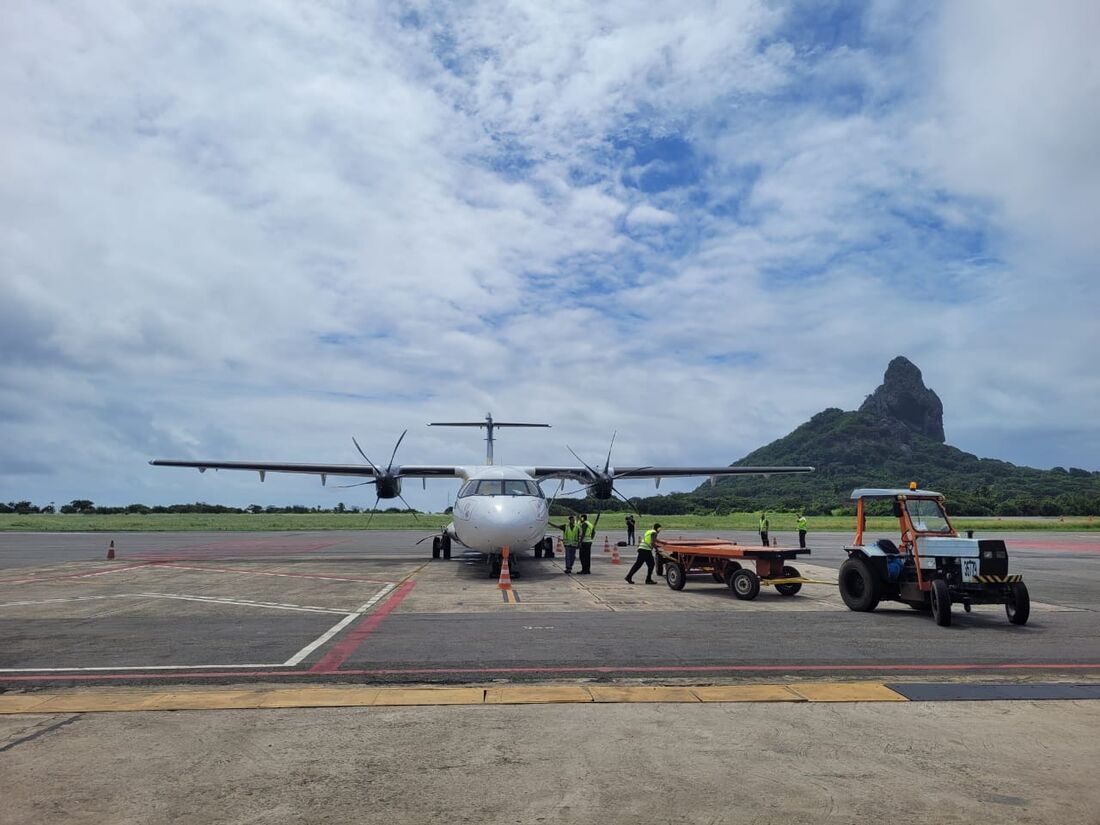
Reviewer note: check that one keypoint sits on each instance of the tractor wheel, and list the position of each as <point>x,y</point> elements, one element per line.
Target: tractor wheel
<point>1018,603</point>
<point>745,585</point>
<point>445,545</point>
<point>435,547</point>
<point>789,589</point>
<point>674,575</point>
<point>859,586</point>
<point>941,602</point>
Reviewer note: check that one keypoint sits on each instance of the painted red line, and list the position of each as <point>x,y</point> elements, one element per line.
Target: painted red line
<point>81,677</point>
<point>341,651</point>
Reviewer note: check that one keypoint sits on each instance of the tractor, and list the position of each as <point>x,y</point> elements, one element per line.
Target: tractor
<point>931,567</point>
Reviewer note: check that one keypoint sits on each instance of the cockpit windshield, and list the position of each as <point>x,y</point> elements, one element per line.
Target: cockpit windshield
<point>500,487</point>
<point>927,516</point>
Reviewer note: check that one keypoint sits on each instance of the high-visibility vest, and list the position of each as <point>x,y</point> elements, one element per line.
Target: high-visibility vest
<point>569,534</point>
<point>647,540</point>
<point>801,522</point>
<point>588,532</point>
<point>763,524</point>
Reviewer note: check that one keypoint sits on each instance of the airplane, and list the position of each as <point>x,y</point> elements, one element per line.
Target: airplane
<point>498,506</point>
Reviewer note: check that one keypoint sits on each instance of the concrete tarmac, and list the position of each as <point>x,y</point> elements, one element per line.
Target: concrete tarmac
<point>1020,762</point>
<point>372,606</point>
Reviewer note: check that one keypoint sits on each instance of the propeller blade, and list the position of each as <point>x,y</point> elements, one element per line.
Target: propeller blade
<point>626,501</point>
<point>584,489</point>
<point>408,507</point>
<point>394,453</point>
<point>360,449</point>
<point>372,509</point>
<point>631,472</point>
<point>357,484</point>
<point>561,484</point>
<point>587,466</point>
<point>607,464</point>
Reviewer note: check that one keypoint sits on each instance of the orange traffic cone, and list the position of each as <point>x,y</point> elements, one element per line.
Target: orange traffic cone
<point>560,549</point>
<point>111,551</point>
<point>505,582</point>
<point>606,545</point>
<point>615,554</point>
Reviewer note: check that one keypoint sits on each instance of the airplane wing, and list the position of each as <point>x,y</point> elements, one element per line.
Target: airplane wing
<point>323,470</point>
<point>587,474</point>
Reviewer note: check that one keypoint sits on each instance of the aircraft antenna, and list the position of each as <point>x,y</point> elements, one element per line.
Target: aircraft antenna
<point>489,424</point>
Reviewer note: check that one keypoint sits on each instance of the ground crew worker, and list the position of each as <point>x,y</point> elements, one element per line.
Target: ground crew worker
<point>764,528</point>
<point>629,529</point>
<point>645,556</point>
<point>801,530</point>
<point>587,536</point>
<point>570,537</point>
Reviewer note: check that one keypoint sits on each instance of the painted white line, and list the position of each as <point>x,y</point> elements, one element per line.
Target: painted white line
<point>310,576</point>
<point>128,667</point>
<point>242,603</point>
<point>70,599</point>
<point>300,656</point>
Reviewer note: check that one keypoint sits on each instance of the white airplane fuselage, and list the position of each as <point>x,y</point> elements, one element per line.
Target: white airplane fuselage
<point>499,507</point>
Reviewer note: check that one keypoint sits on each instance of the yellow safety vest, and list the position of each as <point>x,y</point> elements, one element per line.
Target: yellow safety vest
<point>801,522</point>
<point>647,540</point>
<point>589,532</point>
<point>569,534</point>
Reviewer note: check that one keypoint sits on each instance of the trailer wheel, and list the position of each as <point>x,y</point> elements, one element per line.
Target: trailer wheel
<point>745,585</point>
<point>674,575</point>
<point>728,571</point>
<point>445,545</point>
<point>859,586</point>
<point>941,602</point>
<point>435,547</point>
<point>789,589</point>
<point>1018,603</point>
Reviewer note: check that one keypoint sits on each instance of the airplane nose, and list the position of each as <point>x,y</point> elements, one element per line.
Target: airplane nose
<point>509,521</point>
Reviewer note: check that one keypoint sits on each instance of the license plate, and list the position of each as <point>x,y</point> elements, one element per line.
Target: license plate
<point>969,569</point>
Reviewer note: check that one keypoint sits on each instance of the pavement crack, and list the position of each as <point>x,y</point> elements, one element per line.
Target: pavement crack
<point>39,732</point>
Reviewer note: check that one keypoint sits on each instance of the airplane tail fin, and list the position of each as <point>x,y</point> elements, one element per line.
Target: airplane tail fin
<point>489,424</point>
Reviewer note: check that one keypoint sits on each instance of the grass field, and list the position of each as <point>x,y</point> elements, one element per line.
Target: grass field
<point>611,522</point>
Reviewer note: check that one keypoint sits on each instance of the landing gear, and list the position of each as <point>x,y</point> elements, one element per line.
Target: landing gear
<point>441,547</point>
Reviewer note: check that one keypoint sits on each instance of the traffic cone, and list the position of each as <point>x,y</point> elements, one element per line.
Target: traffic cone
<point>505,582</point>
<point>606,545</point>
<point>615,554</point>
<point>560,550</point>
<point>111,551</point>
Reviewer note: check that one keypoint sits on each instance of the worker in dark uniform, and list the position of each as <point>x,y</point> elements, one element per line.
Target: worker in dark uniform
<point>570,533</point>
<point>629,529</point>
<point>801,530</point>
<point>645,556</point>
<point>587,536</point>
<point>764,528</point>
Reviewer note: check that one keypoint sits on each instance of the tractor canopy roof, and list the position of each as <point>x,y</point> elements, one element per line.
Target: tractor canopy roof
<point>878,492</point>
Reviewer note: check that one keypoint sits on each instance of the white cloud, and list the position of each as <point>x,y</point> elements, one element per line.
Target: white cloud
<point>250,232</point>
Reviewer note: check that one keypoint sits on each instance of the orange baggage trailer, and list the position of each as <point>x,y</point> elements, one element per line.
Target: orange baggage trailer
<point>744,568</point>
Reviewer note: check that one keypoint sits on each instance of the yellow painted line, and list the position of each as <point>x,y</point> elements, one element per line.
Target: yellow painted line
<point>223,698</point>
<point>430,696</point>
<point>846,692</point>
<point>642,693</point>
<point>537,695</point>
<point>746,693</point>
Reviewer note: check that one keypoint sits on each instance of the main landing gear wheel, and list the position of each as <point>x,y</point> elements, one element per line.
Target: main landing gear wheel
<point>859,586</point>
<point>674,575</point>
<point>745,585</point>
<point>1018,603</point>
<point>436,546</point>
<point>789,589</point>
<point>940,597</point>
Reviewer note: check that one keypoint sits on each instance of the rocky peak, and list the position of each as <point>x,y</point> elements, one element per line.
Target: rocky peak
<point>903,396</point>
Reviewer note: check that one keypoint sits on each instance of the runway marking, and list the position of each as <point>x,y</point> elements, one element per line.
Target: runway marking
<point>33,579</point>
<point>300,656</point>
<point>114,668</point>
<point>214,599</point>
<point>317,576</point>
<point>340,653</point>
<point>559,671</point>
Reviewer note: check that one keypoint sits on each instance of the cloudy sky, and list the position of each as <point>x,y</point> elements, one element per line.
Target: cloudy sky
<point>252,230</point>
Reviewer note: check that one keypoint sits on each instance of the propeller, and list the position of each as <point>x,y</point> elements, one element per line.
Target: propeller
<point>387,482</point>
<point>604,480</point>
